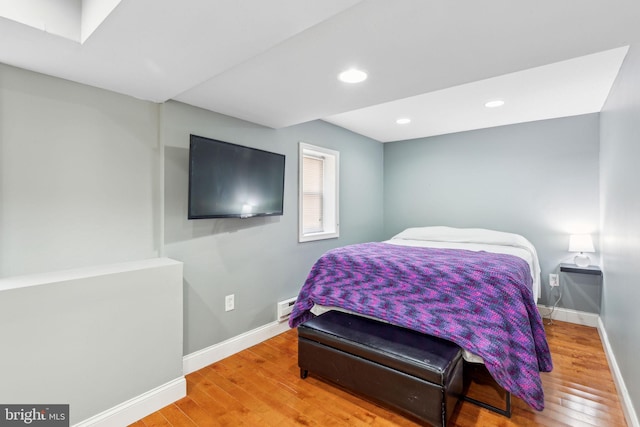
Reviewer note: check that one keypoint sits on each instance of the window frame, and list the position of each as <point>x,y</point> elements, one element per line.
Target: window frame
<point>330,215</point>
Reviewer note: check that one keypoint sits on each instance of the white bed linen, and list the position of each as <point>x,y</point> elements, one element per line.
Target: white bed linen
<point>472,239</point>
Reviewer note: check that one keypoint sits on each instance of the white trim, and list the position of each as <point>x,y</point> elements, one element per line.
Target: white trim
<point>572,316</point>
<point>40,279</point>
<point>139,407</point>
<point>201,358</point>
<point>625,400</point>
<point>331,214</point>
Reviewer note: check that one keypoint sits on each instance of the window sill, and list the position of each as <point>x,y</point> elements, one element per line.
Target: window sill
<point>311,237</point>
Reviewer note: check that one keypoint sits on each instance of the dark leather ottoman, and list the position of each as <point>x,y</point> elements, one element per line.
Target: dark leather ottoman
<point>414,373</point>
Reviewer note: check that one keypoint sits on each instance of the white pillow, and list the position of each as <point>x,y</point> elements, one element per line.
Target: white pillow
<point>465,235</point>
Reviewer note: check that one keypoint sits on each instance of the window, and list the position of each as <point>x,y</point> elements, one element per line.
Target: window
<point>318,193</point>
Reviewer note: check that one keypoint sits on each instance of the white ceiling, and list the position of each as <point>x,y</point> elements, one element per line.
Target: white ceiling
<point>275,62</point>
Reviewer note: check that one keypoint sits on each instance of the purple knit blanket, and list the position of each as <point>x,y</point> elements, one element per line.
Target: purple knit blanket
<point>482,301</point>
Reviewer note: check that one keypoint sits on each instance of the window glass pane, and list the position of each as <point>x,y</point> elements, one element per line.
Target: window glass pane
<point>313,182</point>
<point>318,193</point>
<point>312,215</point>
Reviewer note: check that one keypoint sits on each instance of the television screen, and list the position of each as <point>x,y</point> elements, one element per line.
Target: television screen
<point>232,181</point>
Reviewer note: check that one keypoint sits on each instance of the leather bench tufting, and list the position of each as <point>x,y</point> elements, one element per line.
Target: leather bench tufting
<point>414,373</point>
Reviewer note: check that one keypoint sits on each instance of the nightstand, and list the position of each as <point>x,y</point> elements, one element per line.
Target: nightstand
<point>572,268</point>
<point>582,287</point>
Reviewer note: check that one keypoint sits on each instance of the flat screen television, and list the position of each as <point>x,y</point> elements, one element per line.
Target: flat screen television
<point>233,181</point>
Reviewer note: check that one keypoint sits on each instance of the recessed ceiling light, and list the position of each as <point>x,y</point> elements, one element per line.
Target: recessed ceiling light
<point>494,103</point>
<point>403,121</point>
<point>352,76</point>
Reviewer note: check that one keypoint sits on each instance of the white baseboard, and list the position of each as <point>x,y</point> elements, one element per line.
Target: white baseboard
<point>201,358</point>
<point>571,316</point>
<point>153,400</point>
<point>625,400</point>
<point>139,407</point>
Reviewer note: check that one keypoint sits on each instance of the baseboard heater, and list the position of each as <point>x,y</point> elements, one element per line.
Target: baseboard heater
<point>284,309</point>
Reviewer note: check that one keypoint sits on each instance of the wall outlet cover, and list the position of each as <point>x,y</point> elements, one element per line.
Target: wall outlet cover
<point>229,302</point>
<point>554,280</point>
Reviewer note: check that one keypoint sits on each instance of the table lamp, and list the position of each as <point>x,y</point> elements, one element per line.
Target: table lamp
<point>581,243</point>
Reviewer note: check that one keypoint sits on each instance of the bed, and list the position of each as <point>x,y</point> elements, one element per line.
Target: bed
<point>475,287</point>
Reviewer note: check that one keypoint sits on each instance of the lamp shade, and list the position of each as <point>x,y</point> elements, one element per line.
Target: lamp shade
<point>581,243</point>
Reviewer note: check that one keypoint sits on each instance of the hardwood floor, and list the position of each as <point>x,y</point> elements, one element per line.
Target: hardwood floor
<point>261,386</point>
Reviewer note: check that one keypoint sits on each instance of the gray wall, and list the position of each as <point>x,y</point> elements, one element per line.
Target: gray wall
<point>90,177</point>
<point>620,212</point>
<point>92,338</point>
<point>78,175</point>
<point>80,187</point>
<point>259,260</point>
<point>537,179</point>
<point>81,184</point>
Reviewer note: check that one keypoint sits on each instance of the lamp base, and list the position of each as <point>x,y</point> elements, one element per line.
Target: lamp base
<point>582,260</point>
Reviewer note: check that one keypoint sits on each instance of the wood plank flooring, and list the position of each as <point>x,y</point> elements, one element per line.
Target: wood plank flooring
<point>261,386</point>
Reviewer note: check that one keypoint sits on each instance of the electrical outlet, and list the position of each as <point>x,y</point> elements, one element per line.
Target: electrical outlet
<point>229,302</point>
<point>554,280</point>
